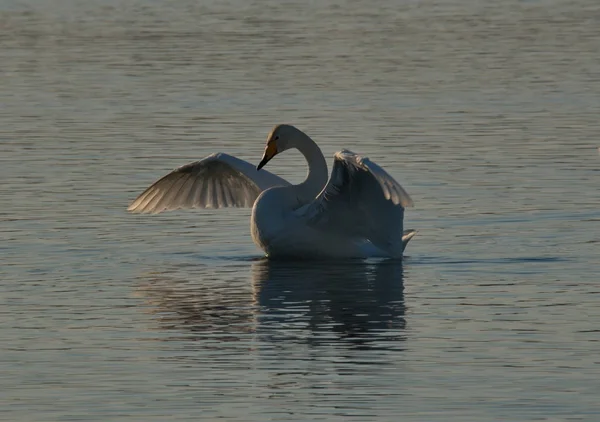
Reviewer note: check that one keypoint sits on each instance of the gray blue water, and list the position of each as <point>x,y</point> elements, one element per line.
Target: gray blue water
<point>486,112</point>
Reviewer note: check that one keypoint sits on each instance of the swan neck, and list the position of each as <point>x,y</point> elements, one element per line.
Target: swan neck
<point>317,169</point>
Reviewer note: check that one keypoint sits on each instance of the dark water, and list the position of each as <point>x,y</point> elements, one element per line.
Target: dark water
<point>486,112</point>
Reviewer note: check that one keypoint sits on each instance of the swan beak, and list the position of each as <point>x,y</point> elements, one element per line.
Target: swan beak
<point>270,152</point>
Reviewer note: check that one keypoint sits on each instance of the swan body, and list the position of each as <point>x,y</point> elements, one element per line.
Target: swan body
<point>357,212</point>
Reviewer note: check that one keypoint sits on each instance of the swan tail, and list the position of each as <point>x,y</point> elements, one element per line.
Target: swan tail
<point>406,236</point>
<point>395,249</point>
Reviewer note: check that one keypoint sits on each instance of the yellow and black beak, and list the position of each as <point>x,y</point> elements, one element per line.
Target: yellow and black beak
<point>270,152</point>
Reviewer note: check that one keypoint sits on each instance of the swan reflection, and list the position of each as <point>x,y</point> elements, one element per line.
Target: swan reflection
<point>348,301</point>
<point>360,304</point>
<point>200,300</point>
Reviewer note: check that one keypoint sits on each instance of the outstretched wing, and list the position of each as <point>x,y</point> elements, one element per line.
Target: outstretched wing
<point>361,200</point>
<point>220,180</point>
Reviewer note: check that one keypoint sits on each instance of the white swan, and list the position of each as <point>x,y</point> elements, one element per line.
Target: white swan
<point>358,213</point>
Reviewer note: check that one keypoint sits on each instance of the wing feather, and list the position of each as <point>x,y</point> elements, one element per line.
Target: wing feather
<point>361,200</point>
<point>219,180</point>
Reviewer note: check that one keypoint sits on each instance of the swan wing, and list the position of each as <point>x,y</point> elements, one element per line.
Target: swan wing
<point>219,180</point>
<point>360,200</point>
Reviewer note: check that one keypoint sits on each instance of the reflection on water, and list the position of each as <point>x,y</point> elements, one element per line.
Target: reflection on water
<point>353,302</point>
<point>185,299</point>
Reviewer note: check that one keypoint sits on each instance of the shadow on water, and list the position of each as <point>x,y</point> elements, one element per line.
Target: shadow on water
<point>357,303</point>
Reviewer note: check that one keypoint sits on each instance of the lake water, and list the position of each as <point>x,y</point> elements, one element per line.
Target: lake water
<point>486,112</point>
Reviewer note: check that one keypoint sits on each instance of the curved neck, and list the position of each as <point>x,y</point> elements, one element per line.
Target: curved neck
<point>317,170</point>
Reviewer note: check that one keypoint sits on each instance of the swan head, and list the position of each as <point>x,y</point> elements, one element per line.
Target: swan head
<point>281,138</point>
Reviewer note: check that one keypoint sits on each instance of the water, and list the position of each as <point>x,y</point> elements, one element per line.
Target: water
<point>486,112</point>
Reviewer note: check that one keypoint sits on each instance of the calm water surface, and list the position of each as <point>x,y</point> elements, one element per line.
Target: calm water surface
<point>487,113</point>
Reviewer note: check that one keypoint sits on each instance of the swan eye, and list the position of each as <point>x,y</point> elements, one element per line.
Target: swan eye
<point>276,138</point>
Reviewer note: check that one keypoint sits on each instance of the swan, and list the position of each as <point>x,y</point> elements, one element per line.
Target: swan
<point>358,212</point>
